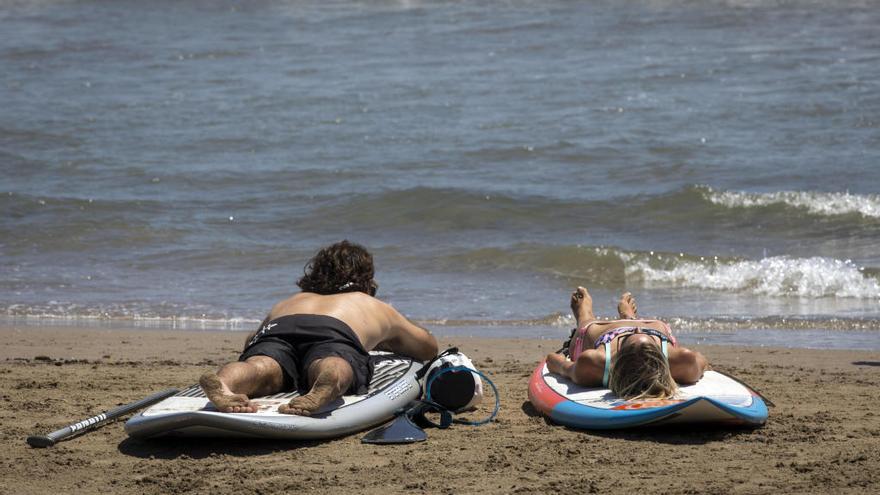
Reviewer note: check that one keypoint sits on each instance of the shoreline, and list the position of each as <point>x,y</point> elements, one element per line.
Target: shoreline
<point>52,376</point>
<point>846,334</point>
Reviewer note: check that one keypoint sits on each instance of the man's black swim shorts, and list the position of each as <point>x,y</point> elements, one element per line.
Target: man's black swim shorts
<point>295,341</point>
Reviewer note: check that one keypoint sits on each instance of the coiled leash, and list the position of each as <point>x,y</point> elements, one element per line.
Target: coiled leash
<point>446,415</point>
<point>409,421</point>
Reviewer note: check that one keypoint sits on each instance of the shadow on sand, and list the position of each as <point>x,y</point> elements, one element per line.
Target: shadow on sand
<point>866,363</point>
<point>200,448</point>
<point>670,434</point>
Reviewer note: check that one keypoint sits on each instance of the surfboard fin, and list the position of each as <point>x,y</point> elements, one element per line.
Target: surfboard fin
<point>400,430</point>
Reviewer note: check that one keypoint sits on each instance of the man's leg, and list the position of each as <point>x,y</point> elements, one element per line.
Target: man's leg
<point>330,378</point>
<point>230,388</point>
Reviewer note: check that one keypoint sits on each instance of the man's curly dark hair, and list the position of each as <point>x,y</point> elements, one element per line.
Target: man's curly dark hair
<point>341,267</point>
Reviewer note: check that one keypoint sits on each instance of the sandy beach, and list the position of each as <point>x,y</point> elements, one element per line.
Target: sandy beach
<point>171,168</point>
<point>50,376</point>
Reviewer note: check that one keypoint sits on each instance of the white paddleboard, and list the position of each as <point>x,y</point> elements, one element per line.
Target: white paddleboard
<point>189,413</point>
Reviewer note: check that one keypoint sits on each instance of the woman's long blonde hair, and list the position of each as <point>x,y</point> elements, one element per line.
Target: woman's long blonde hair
<point>640,371</point>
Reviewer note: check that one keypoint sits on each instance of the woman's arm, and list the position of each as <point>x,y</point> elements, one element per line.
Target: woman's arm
<point>586,370</point>
<point>687,366</point>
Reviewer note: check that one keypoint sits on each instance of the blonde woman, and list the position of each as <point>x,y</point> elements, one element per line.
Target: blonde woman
<point>635,358</point>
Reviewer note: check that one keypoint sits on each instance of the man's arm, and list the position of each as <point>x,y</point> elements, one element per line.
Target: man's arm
<point>409,339</point>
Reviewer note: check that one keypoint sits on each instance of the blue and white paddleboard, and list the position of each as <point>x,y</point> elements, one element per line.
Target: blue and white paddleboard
<point>189,413</point>
<point>716,398</point>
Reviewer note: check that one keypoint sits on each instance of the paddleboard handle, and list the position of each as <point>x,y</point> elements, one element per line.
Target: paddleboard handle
<point>50,439</point>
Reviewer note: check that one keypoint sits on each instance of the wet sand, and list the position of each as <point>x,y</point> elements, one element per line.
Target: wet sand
<point>51,376</point>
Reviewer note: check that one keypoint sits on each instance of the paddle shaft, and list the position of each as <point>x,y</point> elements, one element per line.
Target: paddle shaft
<point>50,439</point>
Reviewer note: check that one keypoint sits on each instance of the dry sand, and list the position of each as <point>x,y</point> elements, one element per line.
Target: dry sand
<point>823,436</point>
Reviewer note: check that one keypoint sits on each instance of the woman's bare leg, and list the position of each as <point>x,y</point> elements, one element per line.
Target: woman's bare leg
<point>626,308</point>
<point>582,307</point>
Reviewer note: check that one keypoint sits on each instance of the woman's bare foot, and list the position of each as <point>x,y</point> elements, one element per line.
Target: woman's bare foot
<point>626,308</point>
<point>582,306</point>
<point>223,398</point>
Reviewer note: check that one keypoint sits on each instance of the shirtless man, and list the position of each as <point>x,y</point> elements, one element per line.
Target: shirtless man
<point>636,358</point>
<point>318,340</point>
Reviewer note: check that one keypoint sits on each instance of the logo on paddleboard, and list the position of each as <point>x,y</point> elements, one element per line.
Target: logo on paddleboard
<point>398,390</point>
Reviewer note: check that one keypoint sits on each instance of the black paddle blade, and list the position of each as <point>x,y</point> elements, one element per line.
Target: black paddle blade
<point>401,430</point>
<point>40,441</point>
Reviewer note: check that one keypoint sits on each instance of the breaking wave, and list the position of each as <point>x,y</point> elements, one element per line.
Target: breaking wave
<point>817,203</point>
<point>781,276</point>
<point>773,276</point>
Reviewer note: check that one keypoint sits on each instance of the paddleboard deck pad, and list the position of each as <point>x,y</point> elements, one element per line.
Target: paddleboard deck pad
<point>189,413</point>
<point>716,398</point>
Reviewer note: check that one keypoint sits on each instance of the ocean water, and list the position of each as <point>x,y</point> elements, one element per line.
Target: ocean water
<point>175,164</point>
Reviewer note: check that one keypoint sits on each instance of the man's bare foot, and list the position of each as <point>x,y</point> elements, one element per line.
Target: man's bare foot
<point>329,384</point>
<point>626,308</point>
<point>306,405</point>
<point>582,306</point>
<point>223,398</point>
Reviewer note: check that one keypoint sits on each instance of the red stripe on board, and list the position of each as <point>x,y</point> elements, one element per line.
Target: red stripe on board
<point>541,395</point>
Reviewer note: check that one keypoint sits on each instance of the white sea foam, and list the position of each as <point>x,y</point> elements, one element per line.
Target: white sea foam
<point>820,203</point>
<point>68,313</point>
<point>775,276</point>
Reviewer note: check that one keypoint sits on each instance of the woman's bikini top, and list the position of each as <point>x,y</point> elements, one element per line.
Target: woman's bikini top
<point>576,344</point>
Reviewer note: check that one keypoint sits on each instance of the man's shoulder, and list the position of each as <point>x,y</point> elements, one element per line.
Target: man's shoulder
<point>353,298</point>
<point>362,299</point>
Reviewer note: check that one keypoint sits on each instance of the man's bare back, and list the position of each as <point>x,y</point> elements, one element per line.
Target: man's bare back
<point>376,323</point>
